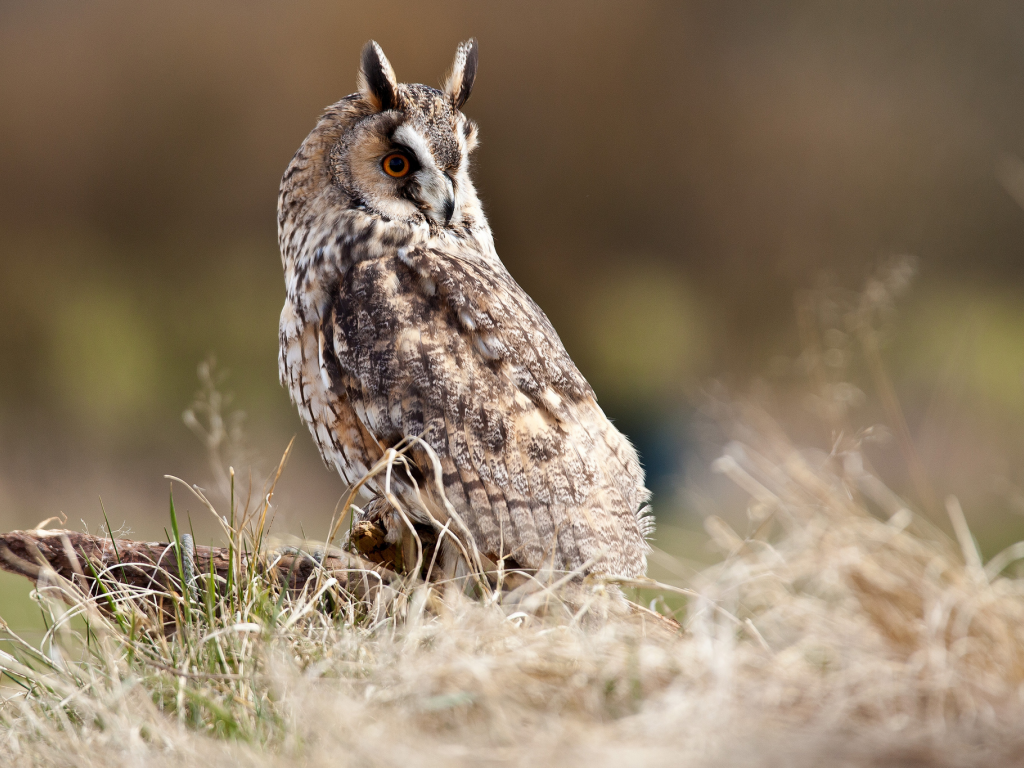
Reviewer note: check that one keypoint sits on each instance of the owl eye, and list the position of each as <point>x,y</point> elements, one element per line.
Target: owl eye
<point>396,165</point>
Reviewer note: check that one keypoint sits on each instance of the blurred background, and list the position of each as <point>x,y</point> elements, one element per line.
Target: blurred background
<point>675,183</point>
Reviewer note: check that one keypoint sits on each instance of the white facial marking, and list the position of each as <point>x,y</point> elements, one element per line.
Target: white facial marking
<point>409,137</point>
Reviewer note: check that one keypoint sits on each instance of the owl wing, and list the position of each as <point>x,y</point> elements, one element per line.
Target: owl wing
<point>451,348</point>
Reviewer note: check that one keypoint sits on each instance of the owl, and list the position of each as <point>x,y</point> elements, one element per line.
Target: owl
<point>401,322</point>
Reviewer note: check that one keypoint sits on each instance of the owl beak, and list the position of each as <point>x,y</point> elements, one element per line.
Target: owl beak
<point>449,201</point>
<point>440,198</point>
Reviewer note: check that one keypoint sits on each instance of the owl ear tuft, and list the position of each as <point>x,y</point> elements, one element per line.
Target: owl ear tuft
<point>377,81</point>
<point>459,84</point>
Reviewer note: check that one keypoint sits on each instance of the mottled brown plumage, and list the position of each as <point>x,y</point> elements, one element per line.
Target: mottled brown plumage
<point>400,320</point>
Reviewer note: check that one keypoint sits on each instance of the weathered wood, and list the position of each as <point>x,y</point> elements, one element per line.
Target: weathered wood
<point>152,564</point>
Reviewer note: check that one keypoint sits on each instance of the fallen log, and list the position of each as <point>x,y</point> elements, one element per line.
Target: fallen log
<point>152,566</point>
<point>80,557</point>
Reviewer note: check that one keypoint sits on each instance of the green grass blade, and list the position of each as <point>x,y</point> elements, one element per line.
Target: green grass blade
<point>181,570</point>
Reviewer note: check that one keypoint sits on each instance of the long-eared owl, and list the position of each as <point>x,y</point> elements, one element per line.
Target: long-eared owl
<point>401,321</point>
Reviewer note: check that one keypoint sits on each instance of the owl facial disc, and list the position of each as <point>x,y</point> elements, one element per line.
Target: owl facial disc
<point>433,189</point>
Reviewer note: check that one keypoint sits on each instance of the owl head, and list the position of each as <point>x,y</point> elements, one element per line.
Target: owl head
<point>398,152</point>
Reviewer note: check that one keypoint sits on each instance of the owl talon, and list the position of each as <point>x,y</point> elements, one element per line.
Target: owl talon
<point>368,537</point>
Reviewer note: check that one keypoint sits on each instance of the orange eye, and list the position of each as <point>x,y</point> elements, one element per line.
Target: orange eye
<point>396,165</point>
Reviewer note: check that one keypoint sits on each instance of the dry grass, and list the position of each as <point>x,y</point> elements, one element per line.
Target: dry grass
<point>842,630</point>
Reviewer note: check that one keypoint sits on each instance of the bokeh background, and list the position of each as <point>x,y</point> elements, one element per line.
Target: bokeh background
<point>674,183</point>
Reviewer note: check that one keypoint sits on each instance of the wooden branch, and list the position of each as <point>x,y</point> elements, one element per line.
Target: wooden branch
<point>151,564</point>
<point>154,565</point>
